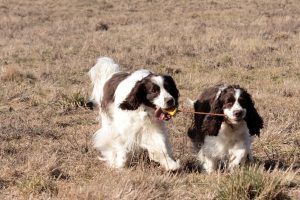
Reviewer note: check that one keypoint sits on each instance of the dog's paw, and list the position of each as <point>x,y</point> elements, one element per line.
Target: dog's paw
<point>173,166</point>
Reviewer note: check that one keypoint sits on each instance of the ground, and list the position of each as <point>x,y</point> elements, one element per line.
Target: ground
<point>47,48</point>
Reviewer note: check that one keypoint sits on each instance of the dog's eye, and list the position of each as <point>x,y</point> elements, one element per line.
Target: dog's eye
<point>155,89</point>
<point>228,105</point>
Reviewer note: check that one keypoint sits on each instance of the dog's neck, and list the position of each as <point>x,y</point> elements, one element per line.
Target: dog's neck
<point>234,126</point>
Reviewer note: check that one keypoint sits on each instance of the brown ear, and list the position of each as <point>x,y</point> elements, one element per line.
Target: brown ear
<point>253,119</point>
<point>195,131</point>
<point>134,98</point>
<point>212,124</point>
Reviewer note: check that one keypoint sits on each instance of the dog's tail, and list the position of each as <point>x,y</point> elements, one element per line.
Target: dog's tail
<point>99,74</point>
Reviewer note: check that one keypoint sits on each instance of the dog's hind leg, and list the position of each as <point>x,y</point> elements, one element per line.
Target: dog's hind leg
<point>107,142</point>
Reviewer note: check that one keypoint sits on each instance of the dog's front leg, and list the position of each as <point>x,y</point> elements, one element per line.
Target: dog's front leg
<point>159,149</point>
<point>237,157</point>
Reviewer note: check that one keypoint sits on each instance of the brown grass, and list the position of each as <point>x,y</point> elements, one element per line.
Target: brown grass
<point>47,47</point>
<point>10,74</point>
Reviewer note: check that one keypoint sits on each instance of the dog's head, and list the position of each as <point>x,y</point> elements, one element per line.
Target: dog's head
<point>237,105</point>
<point>156,91</point>
<point>235,102</point>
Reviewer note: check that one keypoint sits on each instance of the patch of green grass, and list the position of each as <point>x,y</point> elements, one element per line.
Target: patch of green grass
<point>251,183</point>
<point>276,79</point>
<point>73,101</point>
<point>37,185</point>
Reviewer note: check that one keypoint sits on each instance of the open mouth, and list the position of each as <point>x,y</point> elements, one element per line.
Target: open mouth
<point>164,114</point>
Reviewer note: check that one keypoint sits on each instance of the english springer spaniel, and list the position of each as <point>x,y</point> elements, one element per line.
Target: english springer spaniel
<point>217,138</point>
<point>132,113</point>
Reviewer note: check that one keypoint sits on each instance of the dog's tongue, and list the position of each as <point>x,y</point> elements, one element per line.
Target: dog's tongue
<point>159,114</point>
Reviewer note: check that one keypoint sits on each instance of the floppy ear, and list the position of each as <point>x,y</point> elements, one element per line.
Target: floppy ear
<point>134,98</point>
<point>194,132</point>
<point>253,119</point>
<point>212,124</point>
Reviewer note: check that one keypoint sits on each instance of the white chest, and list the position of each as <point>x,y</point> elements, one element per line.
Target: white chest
<point>228,138</point>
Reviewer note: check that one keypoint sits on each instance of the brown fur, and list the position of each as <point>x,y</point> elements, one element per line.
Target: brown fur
<point>109,89</point>
<point>144,92</point>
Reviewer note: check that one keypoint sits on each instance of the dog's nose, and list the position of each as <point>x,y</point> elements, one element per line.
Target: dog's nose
<point>238,113</point>
<point>90,104</point>
<point>171,102</point>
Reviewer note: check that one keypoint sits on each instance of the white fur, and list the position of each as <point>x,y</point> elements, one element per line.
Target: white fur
<point>126,131</point>
<point>190,103</point>
<point>232,144</point>
<point>99,74</point>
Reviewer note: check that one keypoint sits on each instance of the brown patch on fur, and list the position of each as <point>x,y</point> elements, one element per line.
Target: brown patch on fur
<point>134,98</point>
<point>144,92</point>
<point>254,121</point>
<point>110,87</point>
<point>201,123</point>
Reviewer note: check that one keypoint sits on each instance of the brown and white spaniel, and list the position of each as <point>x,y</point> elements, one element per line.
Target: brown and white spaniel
<point>218,138</point>
<point>131,109</point>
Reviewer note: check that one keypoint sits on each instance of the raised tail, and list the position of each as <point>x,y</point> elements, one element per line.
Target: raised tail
<point>99,74</point>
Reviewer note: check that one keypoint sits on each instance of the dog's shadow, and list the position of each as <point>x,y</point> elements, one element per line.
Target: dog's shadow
<point>142,161</point>
<point>191,166</point>
<point>272,164</point>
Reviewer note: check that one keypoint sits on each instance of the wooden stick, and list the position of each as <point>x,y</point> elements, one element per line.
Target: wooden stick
<point>200,113</point>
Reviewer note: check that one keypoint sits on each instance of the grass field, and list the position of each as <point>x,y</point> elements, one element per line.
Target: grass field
<point>47,48</point>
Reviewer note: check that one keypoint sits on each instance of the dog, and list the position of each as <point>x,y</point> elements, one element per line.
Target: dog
<point>131,108</point>
<point>218,138</point>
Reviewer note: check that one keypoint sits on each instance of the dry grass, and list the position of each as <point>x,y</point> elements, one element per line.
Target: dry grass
<point>47,47</point>
<point>253,183</point>
<point>10,73</point>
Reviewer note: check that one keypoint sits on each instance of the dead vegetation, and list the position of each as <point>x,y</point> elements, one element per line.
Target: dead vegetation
<point>254,183</point>
<point>10,73</point>
<point>47,47</point>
